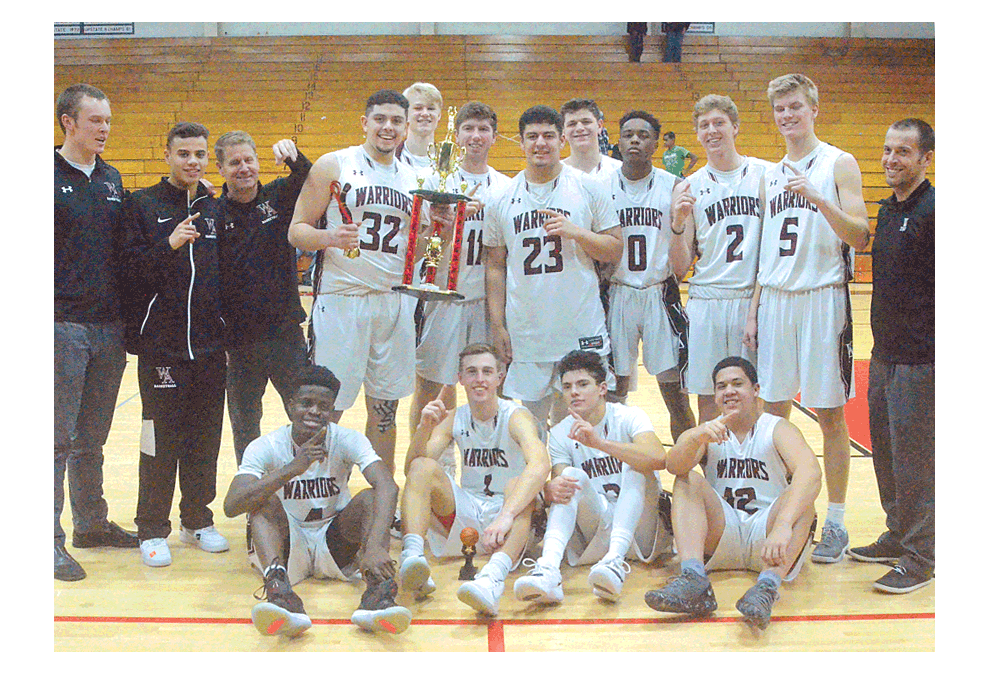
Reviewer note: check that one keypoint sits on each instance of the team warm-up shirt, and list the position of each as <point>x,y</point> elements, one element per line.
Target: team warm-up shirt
<point>490,458</point>
<point>378,198</point>
<point>727,217</point>
<point>552,303</point>
<point>749,474</point>
<point>471,271</point>
<point>321,491</point>
<point>799,250</point>
<point>643,207</point>
<point>620,424</point>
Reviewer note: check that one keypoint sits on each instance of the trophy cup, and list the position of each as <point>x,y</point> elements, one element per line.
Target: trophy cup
<point>445,158</point>
<point>469,537</point>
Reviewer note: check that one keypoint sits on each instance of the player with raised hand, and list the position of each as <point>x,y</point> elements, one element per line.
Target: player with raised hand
<point>604,485</point>
<point>753,508</point>
<point>503,468</point>
<point>800,316</point>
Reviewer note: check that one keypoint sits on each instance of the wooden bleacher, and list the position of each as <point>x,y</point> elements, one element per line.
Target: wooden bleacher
<point>312,89</point>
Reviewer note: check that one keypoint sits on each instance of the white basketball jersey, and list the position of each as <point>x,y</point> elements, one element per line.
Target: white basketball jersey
<point>643,207</point>
<point>552,302</point>
<point>727,217</point>
<point>748,474</point>
<point>321,491</point>
<point>606,167</point>
<point>490,458</point>
<point>471,271</point>
<point>620,424</point>
<point>799,250</point>
<point>378,199</point>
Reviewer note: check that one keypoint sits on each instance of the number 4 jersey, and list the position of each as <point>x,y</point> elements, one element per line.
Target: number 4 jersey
<point>377,196</point>
<point>727,227</point>
<point>799,250</point>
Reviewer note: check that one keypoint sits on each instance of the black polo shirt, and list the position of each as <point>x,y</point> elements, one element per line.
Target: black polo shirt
<point>902,312</point>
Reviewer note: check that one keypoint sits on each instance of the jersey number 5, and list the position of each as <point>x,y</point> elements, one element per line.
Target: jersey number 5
<point>788,236</point>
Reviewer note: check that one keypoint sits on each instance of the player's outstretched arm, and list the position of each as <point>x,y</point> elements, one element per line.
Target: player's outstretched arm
<point>374,555</point>
<point>682,228</point>
<point>248,493</point>
<point>434,432</point>
<point>311,205</point>
<point>848,218</point>
<point>692,445</point>
<point>644,453</point>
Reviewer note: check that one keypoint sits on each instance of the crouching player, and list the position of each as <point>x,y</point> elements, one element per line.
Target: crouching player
<point>292,483</point>
<point>754,507</point>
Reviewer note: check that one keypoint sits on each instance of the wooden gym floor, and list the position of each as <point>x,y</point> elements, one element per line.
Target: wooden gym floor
<point>203,601</point>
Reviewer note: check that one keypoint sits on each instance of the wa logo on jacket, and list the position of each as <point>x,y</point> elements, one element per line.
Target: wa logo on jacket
<point>165,380</point>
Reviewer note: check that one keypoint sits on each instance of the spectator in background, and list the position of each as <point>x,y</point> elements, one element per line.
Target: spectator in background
<point>675,38</point>
<point>674,156</point>
<point>637,31</point>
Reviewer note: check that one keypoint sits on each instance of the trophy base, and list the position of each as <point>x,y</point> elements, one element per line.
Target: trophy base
<point>428,292</point>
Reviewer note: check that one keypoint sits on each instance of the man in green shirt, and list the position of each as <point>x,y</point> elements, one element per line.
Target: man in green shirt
<point>674,156</point>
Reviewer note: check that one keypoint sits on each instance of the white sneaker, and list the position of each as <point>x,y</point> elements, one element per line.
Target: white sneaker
<point>155,553</point>
<point>206,538</point>
<point>542,585</point>
<point>482,594</point>
<point>607,576</point>
<point>414,572</point>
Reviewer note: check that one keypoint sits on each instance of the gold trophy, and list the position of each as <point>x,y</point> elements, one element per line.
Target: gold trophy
<point>446,158</point>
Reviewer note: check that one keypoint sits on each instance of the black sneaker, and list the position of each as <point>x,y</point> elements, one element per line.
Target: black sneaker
<point>900,580</point>
<point>378,611</point>
<point>755,605</point>
<point>110,535</point>
<point>876,552</point>
<point>282,612</point>
<point>687,593</point>
<point>67,568</point>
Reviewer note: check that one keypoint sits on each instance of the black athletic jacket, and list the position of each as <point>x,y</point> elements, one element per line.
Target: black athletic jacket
<point>87,229</point>
<point>257,262</point>
<point>172,298</point>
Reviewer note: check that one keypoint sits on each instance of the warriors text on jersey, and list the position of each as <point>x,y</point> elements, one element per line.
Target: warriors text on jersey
<point>471,273</point>
<point>620,424</point>
<point>490,458</point>
<point>643,207</point>
<point>727,218</point>
<point>799,250</point>
<point>377,196</point>
<point>321,491</point>
<point>552,302</point>
<point>748,474</point>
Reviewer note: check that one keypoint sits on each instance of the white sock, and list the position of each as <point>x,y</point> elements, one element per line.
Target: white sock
<point>497,567</point>
<point>412,545</point>
<point>628,509</point>
<point>836,514</point>
<point>561,520</point>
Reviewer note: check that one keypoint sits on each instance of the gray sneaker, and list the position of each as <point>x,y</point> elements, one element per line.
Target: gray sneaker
<point>755,605</point>
<point>687,593</point>
<point>832,548</point>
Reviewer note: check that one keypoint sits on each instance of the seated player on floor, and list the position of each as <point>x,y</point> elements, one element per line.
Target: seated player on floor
<point>303,523</point>
<point>754,507</point>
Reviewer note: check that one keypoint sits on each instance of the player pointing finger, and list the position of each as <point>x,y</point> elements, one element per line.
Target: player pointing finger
<point>184,233</point>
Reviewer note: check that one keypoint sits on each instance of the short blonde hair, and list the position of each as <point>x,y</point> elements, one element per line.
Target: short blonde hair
<point>424,90</point>
<point>785,84</point>
<point>715,102</point>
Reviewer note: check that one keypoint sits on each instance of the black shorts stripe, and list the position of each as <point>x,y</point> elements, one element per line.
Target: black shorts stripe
<point>678,320</point>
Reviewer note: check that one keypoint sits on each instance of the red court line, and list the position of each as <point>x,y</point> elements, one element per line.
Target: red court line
<point>496,635</point>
